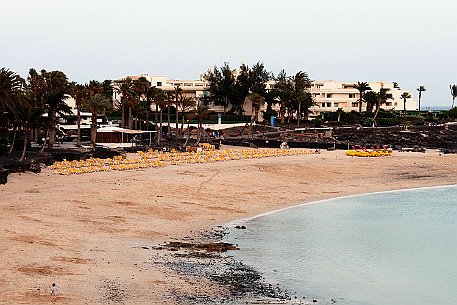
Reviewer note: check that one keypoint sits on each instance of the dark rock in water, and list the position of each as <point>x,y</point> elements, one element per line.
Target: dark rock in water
<point>240,227</point>
<point>4,175</point>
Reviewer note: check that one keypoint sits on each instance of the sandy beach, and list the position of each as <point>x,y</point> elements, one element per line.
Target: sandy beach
<point>94,234</point>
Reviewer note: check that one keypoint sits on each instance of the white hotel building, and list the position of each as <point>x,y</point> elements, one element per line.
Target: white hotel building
<point>328,95</point>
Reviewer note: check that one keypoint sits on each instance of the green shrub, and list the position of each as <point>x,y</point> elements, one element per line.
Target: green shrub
<point>317,122</point>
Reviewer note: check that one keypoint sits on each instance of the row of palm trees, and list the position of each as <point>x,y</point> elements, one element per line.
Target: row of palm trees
<point>378,98</point>
<point>137,97</point>
<point>33,105</point>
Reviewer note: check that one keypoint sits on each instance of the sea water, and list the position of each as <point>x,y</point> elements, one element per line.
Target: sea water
<point>385,248</point>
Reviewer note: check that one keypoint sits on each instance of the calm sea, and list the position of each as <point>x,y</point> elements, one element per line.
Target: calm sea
<point>386,248</point>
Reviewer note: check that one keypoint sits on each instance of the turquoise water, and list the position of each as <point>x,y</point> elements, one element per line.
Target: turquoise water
<point>386,248</point>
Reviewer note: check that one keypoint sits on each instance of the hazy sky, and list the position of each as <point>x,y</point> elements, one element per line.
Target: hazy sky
<point>411,42</point>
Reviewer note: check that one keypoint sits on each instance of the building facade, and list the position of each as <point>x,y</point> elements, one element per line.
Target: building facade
<point>333,95</point>
<point>328,95</point>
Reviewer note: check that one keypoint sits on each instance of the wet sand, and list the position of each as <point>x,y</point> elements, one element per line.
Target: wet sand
<point>96,235</point>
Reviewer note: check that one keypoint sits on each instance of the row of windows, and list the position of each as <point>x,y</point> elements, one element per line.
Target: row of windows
<point>353,105</point>
<point>185,84</point>
<point>330,95</point>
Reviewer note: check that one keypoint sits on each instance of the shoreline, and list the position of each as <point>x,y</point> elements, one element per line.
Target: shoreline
<point>232,223</point>
<point>88,233</point>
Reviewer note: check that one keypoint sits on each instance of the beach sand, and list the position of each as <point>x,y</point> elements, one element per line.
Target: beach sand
<point>94,234</point>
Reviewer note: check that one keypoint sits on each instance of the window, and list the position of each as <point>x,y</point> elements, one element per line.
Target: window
<point>351,95</point>
<point>329,104</point>
<point>329,95</point>
<point>335,104</point>
<point>395,104</point>
<point>348,86</point>
<point>323,105</point>
<point>355,104</point>
<point>159,84</point>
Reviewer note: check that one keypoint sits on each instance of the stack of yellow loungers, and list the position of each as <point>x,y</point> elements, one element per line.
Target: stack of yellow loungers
<point>158,158</point>
<point>369,153</point>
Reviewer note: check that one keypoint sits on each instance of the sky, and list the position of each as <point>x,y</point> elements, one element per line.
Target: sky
<point>412,43</point>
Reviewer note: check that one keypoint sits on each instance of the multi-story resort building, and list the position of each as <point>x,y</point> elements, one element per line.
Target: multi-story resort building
<point>333,95</point>
<point>328,95</point>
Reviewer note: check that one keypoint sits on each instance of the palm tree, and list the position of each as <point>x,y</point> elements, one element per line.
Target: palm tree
<point>404,96</point>
<point>11,85</point>
<point>383,96</point>
<point>78,91</point>
<point>256,100</point>
<point>169,99</point>
<point>95,104</point>
<point>178,97</point>
<point>161,102</point>
<point>186,103</point>
<point>362,87</point>
<point>50,88</point>
<point>151,94</point>
<point>420,89</point>
<point>201,113</point>
<point>284,91</point>
<point>190,116</point>
<point>125,89</point>
<point>453,93</point>
<point>30,116</point>
<point>140,87</point>
<point>370,98</point>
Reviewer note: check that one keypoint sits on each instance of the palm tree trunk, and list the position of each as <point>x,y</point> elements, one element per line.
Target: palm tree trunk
<point>10,150</point>
<point>52,131</point>
<point>156,119</point>
<point>78,122</point>
<point>130,118</point>
<point>378,106</point>
<point>159,132</point>
<point>46,132</point>
<point>188,134</point>
<point>299,115</point>
<point>283,112</point>
<point>123,115</point>
<point>177,116</point>
<point>168,118</point>
<point>93,130</point>
<point>360,102</point>
<point>182,124</point>
<point>147,116</point>
<point>24,148</point>
<point>420,95</point>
